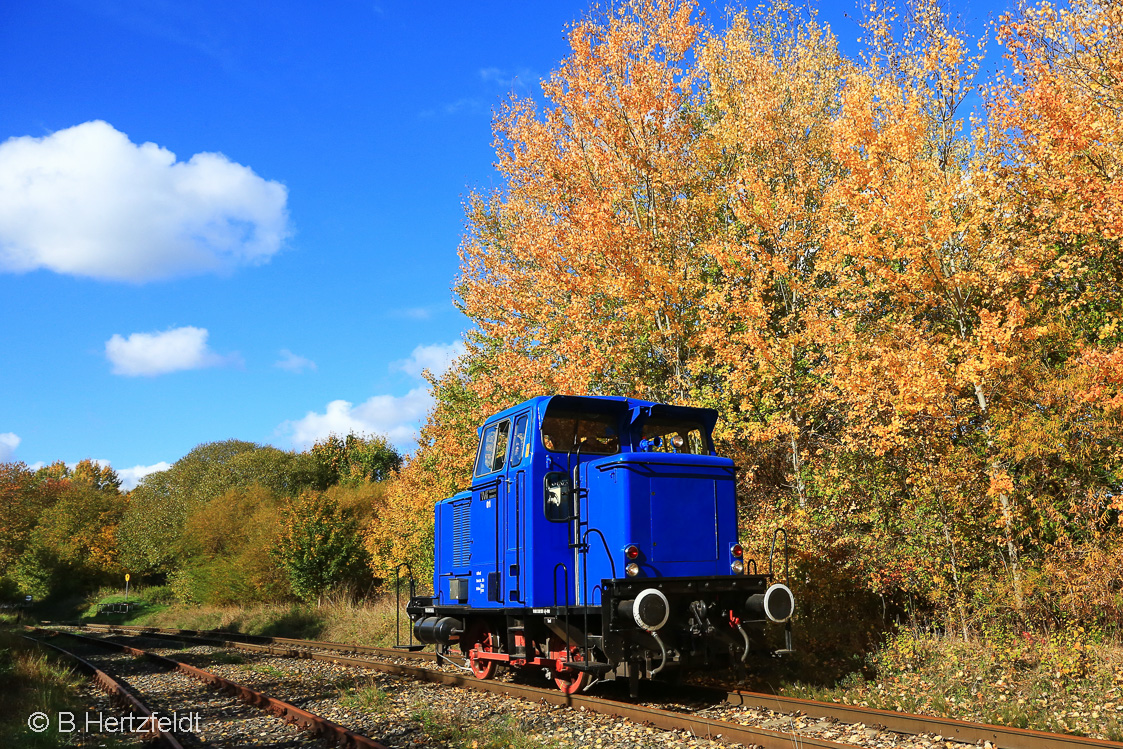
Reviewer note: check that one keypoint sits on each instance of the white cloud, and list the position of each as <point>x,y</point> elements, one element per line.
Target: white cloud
<point>395,417</point>
<point>159,353</point>
<point>87,201</point>
<point>494,75</point>
<point>468,104</point>
<point>519,79</point>
<point>9,441</point>
<point>294,362</point>
<point>414,313</point>
<point>130,477</point>
<point>436,358</point>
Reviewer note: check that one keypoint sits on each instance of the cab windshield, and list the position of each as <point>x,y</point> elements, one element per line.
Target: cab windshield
<point>493,448</point>
<point>572,431</point>
<point>674,436</point>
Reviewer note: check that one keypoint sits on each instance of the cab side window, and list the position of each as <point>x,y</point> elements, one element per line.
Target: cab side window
<point>588,433</point>
<point>493,448</point>
<point>518,442</point>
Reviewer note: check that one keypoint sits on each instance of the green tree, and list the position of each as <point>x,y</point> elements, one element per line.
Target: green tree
<point>356,459</point>
<point>23,498</point>
<point>74,543</point>
<point>161,503</point>
<point>224,550</point>
<point>320,547</point>
<point>101,478</point>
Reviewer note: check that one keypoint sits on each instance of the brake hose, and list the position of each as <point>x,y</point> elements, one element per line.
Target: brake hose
<point>662,650</point>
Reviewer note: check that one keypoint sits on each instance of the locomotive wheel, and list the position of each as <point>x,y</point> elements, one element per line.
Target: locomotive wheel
<point>569,681</point>
<point>486,641</point>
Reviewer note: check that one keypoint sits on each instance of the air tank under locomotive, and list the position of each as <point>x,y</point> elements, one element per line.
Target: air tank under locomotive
<point>598,541</point>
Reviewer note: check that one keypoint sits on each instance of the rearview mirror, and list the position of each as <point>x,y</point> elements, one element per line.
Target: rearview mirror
<point>559,497</point>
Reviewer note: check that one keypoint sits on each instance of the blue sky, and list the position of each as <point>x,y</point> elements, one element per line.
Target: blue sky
<point>287,272</point>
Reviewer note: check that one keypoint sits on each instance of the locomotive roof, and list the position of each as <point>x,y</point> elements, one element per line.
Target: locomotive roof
<point>707,415</point>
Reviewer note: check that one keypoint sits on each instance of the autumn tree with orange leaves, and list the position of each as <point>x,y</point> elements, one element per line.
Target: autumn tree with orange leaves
<point>602,222</point>
<point>1060,120</point>
<point>773,82</point>
<point>898,283</point>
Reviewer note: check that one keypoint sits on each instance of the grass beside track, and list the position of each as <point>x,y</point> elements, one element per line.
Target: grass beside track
<point>30,682</point>
<point>463,730</point>
<point>368,623</point>
<point>1067,682</point>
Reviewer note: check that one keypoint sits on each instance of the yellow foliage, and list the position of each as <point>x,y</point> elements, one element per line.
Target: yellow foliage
<point>906,313</point>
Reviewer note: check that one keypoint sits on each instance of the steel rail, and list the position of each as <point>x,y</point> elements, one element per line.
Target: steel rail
<point>899,722</point>
<point>212,635</point>
<point>664,719</point>
<point>287,652</point>
<point>314,724</point>
<point>118,693</point>
<point>958,730</point>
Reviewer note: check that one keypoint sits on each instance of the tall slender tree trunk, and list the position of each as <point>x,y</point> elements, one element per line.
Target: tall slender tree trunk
<point>954,569</point>
<point>797,464</point>
<point>994,465</point>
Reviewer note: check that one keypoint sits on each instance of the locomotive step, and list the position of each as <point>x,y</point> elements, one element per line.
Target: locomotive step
<point>593,667</point>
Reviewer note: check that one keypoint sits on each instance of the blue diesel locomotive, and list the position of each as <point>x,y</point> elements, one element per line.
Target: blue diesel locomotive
<point>598,541</point>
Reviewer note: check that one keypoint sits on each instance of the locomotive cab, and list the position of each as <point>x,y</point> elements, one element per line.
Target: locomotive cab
<point>598,540</point>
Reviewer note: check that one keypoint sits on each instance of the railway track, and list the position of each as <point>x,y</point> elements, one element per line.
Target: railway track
<point>194,731</point>
<point>119,694</point>
<point>748,718</point>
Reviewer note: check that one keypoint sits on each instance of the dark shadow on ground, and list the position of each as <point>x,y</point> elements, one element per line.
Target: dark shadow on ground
<point>301,624</point>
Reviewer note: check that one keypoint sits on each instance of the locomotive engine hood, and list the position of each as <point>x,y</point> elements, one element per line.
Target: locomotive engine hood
<point>675,512</point>
<point>679,502</point>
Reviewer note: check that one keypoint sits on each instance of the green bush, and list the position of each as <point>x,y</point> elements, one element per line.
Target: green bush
<point>320,548</point>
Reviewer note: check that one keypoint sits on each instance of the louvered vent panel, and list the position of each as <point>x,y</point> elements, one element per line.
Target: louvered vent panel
<point>461,534</point>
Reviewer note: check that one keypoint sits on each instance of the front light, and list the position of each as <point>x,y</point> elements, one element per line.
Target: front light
<point>631,570</point>
<point>738,566</point>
